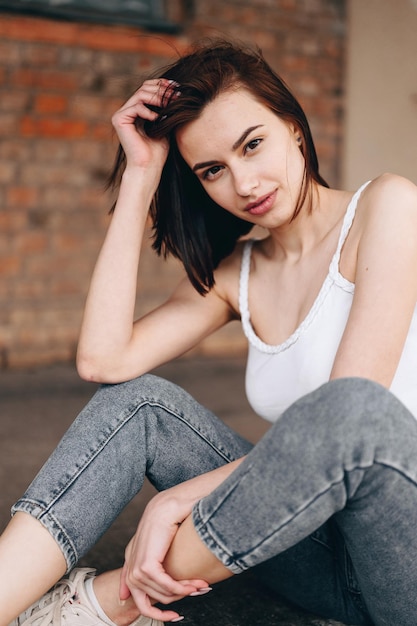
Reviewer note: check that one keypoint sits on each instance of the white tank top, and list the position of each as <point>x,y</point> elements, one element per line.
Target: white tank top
<point>277,375</point>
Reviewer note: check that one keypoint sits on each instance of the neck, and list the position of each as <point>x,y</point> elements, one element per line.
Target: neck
<point>318,218</point>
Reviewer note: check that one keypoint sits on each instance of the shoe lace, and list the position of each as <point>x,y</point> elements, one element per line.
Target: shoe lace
<point>47,610</point>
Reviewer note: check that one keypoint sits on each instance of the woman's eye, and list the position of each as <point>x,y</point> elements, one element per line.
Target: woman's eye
<point>252,145</point>
<point>212,172</point>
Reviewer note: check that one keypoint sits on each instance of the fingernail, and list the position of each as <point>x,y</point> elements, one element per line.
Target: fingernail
<point>201,592</point>
<point>178,619</point>
<point>122,602</point>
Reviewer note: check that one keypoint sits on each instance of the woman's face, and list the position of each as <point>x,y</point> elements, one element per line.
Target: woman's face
<point>247,159</point>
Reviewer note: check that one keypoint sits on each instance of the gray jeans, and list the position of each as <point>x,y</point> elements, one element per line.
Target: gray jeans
<point>324,507</point>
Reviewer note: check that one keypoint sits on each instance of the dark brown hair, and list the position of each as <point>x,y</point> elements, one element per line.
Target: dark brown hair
<point>186,222</point>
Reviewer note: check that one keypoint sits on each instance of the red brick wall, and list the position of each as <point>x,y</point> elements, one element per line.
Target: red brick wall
<point>59,84</point>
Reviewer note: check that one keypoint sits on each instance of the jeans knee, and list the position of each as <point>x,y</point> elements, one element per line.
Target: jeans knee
<point>147,387</point>
<point>145,383</point>
<point>358,408</point>
<point>354,394</point>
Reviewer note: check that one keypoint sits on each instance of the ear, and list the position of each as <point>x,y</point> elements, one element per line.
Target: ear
<point>297,135</point>
<point>294,130</point>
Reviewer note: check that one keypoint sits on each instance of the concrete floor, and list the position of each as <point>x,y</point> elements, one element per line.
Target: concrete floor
<point>37,406</point>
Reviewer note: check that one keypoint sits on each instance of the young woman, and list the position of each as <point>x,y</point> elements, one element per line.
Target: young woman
<point>325,505</point>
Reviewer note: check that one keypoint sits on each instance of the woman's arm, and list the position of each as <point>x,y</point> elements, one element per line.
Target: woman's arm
<point>385,282</point>
<point>112,347</point>
<point>144,573</point>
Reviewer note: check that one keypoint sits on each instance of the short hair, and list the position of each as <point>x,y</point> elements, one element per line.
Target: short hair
<point>187,223</point>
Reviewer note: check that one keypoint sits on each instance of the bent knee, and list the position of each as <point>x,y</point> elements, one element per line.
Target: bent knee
<point>353,407</point>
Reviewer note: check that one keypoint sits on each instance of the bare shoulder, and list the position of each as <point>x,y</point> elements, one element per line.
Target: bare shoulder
<point>388,202</point>
<point>390,190</point>
<point>385,222</point>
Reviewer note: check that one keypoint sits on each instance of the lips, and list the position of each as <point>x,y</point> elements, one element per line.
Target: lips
<point>262,205</point>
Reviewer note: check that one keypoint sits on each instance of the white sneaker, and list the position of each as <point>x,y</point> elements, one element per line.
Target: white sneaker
<point>67,604</point>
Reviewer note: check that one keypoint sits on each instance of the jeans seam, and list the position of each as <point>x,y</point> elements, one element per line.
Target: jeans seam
<point>122,419</point>
<point>238,564</point>
<point>114,432</point>
<point>271,534</point>
<point>351,582</point>
<point>193,428</point>
<point>320,542</point>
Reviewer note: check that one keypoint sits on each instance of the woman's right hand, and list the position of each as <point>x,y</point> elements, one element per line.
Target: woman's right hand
<point>107,350</point>
<point>141,151</point>
<point>143,575</point>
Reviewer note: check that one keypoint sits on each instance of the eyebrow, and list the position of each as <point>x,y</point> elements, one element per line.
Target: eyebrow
<point>236,145</point>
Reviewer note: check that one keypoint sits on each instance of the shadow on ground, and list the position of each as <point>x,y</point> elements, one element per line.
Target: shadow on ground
<point>37,406</point>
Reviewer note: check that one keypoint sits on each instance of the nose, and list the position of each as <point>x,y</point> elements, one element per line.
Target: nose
<point>245,181</point>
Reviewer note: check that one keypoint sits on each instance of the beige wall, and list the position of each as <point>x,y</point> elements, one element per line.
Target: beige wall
<point>381,105</point>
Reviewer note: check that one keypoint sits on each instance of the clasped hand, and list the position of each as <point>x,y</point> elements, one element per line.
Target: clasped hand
<point>143,575</point>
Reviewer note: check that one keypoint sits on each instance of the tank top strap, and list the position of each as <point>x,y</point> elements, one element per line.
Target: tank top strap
<point>247,327</point>
<point>346,226</point>
<point>244,286</point>
<point>333,273</point>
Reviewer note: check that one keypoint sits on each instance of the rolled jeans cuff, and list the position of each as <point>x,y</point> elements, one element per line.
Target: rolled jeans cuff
<point>219,549</point>
<point>52,525</point>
